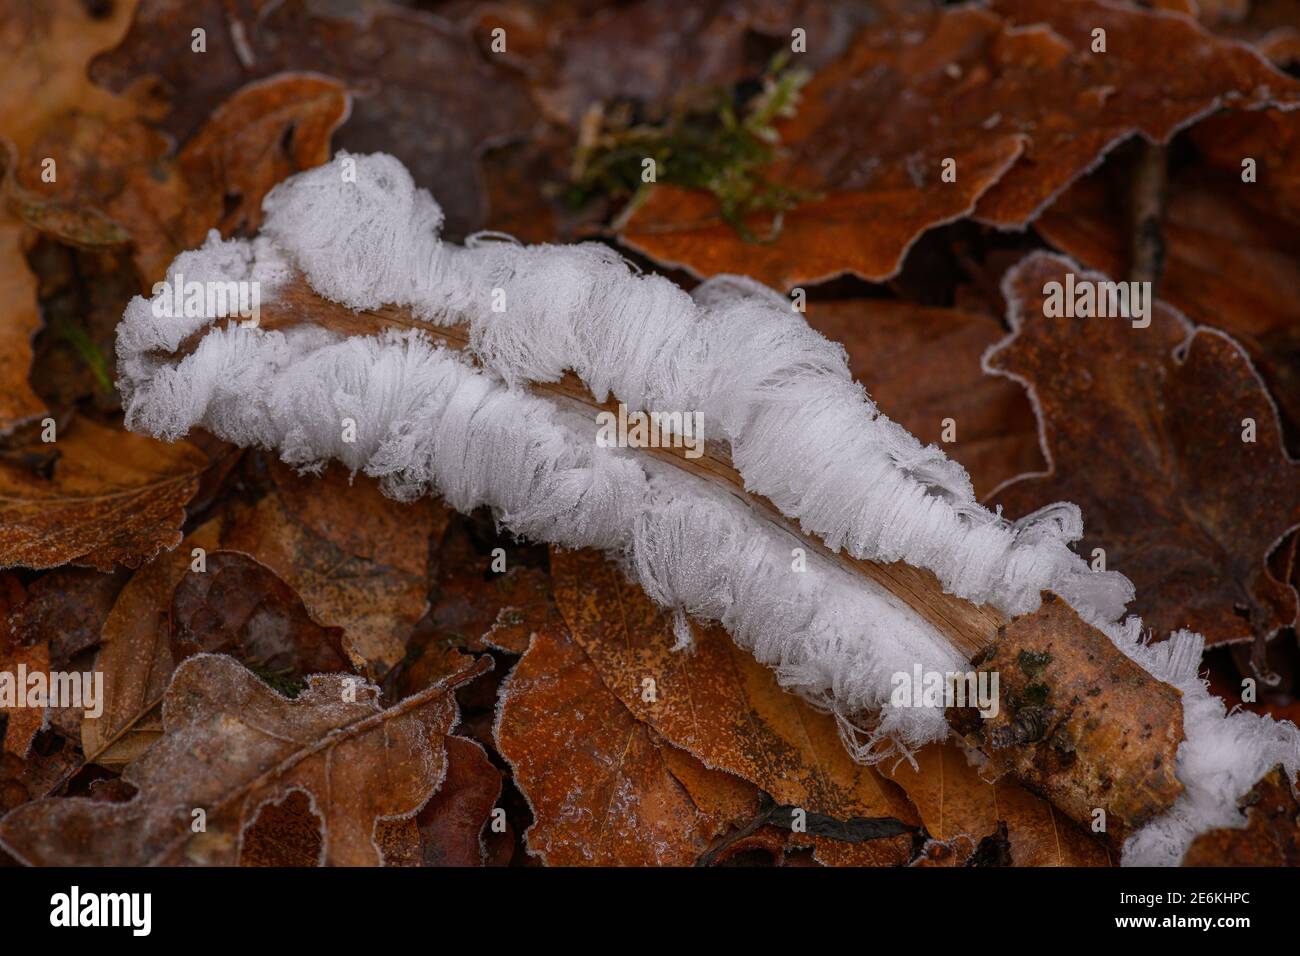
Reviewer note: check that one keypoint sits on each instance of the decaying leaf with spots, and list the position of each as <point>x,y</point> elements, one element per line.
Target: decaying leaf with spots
<point>723,707</point>
<point>230,745</point>
<point>1013,96</point>
<point>1166,438</point>
<point>112,497</point>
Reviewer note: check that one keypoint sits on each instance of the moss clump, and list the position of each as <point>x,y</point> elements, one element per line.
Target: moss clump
<point>708,141</point>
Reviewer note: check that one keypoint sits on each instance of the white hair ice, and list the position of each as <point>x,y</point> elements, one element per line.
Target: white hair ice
<point>801,432</point>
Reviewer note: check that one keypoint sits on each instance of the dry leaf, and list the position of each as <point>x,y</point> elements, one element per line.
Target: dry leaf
<point>231,744</point>
<point>113,497</point>
<point>451,823</point>
<point>1013,95</point>
<point>241,608</point>
<point>422,91</point>
<point>135,656</point>
<point>717,703</point>
<point>1227,265</point>
<point>601,785</point>
<point>367,575</point>
<point>1143,429</point>
<point>960,807</point>
<point>1271,836</point>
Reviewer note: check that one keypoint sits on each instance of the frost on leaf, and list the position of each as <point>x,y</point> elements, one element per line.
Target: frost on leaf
<point>230,745</point>
<point>1013,93</point>
<point>1181,504</point>
<point>110,498</point>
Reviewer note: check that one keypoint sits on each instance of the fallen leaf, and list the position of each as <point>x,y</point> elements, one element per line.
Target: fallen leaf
<point>1142,428</point>
<point>367,575</point>
<point>66,609</point>
<point>114,497</point>
<point>18,403</point>
<point>1012,94</point>
<point>958,806</point>
<point>135,656</point>
<point>23,722</point>
<point>421,89</point>
<point>285,832</point>
<point>1272,139</point>
<point>649,52</point>
<point>230,745</point>
<point>451,823</point>
<point>1227,265</point>
<point>717,702</point>
<point>237,606</point>
<point>598,780</point>
<point>118,181</point>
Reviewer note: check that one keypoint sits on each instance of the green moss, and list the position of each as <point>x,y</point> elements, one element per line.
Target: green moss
<point>281,680</point>
<point>1032,662</point>
<point>706,142</point>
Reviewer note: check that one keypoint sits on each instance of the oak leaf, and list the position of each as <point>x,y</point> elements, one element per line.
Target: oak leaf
<point>230,745</point>
<point>1013,95</point>
<point>1146,430</point>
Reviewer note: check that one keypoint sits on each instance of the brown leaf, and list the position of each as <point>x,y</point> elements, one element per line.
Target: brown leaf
<point>286,832</point>
<point>601,784</point>
<point>1227,263</point>
<point>1013,94</point>
<point>367,575</point>
<point>66,609</point>
<point>960,807</point>
<point>477,606</point>
<point>922,366</point>
<point>237,606</point>
<point>422,90</point>
<point>18,403</point>
<point>716,701</point>
<point>117,180</point>
<point>1272,139</point>
<point>135,656</point>
<point>1271,836</point>
<point>113,497</point>
<point>1270,26</point>
<point>23,721</point>
<point>451,823</point>
<point>1143,430</point>
<point>649,52</point>
<point>230,745</point>
<point>45,48</point>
